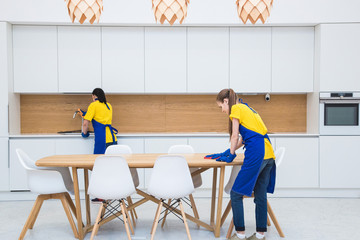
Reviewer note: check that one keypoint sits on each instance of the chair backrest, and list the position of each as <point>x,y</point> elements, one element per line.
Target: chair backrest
<point>111,178</point>
<point>234,172</point>
<point>178,149</point>
<point>124,149</point>
<point>170,178</point>
<point>279,156</point>
<point>25,160</point>
<point>39,180</point>
<point>118,149</point>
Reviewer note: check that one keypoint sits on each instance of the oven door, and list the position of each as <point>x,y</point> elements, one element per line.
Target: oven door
<point>339,118</point>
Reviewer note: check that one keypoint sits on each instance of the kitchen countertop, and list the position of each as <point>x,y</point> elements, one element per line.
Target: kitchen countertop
<point>194,134</point>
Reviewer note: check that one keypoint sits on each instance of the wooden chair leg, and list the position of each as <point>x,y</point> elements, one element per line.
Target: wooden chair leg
<point>41,201</point>
<point>193,205</point>
<point>185,222</point>
<point>231,227</point>
<point>128,217</point>
<point>70,203</point>
<point>268,221</point>
<point>96,224</point>
<point>274,220</point>
<point>226,213</point>
<point>32,216</point>
<point>122,205</point>
<point>156,220</point>
<point>131,212</point>
<point>165,214</point>
<point>69,216</point>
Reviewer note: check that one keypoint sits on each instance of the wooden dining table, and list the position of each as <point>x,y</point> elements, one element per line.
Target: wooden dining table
<point>196,160</point>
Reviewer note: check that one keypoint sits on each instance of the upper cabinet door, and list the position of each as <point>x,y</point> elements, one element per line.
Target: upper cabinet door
<point>35,59</point>
<point>79,58</point>
<point>208,59</point>
<point>123,59</point>
<point>250,59</point>
<point>165,59</point>
<point>339,57</point>
<point>292,59</point>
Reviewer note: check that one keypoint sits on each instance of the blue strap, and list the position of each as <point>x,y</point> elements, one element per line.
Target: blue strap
<point>113,131</point>
<point>241,101</point>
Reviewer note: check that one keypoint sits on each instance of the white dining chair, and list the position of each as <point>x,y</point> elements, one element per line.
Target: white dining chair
<point>279,156</point>
<point>197,181</point>
<point>170,179</point>
<point>49,184</point>
<point>108,172</point>
<point>120,149</point>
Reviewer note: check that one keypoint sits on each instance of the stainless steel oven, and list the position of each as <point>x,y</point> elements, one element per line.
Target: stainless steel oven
<point>339,113</point>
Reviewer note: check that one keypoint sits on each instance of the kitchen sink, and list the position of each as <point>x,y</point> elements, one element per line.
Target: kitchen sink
<point>72,132</point>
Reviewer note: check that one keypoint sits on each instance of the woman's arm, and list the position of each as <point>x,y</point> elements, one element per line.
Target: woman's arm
<point>85,126</point>
<point>236,143</point>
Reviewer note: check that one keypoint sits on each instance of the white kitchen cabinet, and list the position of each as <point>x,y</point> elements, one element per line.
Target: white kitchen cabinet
<point>300,166</point>
<point>292,59</point>
<point>4,164</point>
<point>339,162</point>
<point>339,52</point>
<point>123,59</point>
<point>159,145</point>
<point>250,59</point>
<point>5,75</point>
<point>207,59</point>
<point>165,60</point>
<point>79,54</point>
<point>35,59</point>
<point>35,149</point>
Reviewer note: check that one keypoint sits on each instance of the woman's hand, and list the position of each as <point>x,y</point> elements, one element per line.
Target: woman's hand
<point>217,155</point>
<point>227,159</point>
<point>85,135</point>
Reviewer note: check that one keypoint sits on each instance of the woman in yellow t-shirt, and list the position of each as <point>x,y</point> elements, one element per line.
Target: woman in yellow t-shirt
<point>257,173</point>
<point>99,113</point>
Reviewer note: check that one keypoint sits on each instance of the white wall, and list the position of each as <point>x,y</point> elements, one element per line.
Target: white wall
<point>211,12</point>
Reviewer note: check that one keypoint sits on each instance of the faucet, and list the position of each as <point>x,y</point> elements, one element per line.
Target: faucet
<point>76,112</point>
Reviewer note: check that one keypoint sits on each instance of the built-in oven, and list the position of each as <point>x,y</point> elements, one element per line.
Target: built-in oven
<point>339,113</point>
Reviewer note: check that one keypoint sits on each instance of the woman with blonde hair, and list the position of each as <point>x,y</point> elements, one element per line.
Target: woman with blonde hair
<point>257,173</point>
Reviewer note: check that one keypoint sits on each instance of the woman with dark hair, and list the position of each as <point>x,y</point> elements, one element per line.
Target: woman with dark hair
<point>99,113</point>
<point>257,174</point>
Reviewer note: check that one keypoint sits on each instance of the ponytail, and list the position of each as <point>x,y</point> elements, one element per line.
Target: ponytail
<point>99,93</point>
<point>229,94</point>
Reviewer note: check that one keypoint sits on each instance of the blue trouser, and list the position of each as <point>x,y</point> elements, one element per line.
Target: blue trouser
<point>110,143</point>
<point>260,200</point>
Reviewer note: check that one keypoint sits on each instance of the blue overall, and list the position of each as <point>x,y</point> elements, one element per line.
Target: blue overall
<point>254,155</point>
<point>100,135</point>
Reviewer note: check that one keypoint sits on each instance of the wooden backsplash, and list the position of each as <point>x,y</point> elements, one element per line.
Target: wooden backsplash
<point>159,113</point>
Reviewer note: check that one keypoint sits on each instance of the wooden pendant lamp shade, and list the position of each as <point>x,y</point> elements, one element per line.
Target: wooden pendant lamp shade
<point>84,9</point>
<point>254,10</point>
<point>170,10</point>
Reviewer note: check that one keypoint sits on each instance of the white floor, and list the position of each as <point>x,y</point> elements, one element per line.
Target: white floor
<point>300,219</point>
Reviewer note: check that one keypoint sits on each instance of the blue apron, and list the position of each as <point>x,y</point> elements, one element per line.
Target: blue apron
<point>100,135</point>
<point>254,156</point>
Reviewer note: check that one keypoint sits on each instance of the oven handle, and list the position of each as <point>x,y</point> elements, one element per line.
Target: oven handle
<point>343,101</point>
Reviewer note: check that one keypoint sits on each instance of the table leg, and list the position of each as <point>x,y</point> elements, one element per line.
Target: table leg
<point>220,198</point>
<point>87,198</point>
<point>77,203</point>
<point>213,197</point>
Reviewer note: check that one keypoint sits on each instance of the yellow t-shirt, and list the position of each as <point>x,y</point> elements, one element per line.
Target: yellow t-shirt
<point>252,121</point>
<point>100,113</point>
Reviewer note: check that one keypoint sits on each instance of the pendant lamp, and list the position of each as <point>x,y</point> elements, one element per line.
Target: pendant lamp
<point>84,9</point>
<point>254,10</point>
<point>170,10</point>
